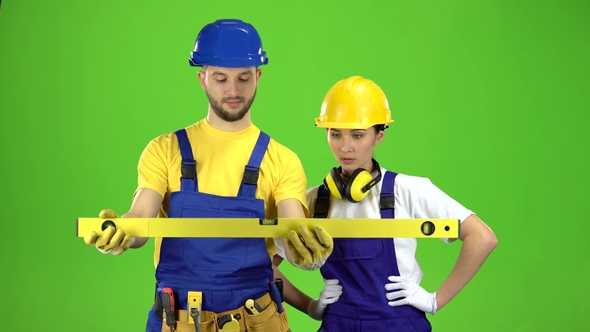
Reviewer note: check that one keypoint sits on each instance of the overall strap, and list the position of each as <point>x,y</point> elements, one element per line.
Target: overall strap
<point>251,172</point>
<point>387,199</point>
<point>188,169</point>
<point>322,203</point>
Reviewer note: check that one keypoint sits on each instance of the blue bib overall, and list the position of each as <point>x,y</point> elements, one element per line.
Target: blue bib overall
<point>363,266</point>
<point>228,271</point>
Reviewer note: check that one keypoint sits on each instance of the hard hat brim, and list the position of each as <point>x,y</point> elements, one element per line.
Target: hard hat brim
<point>196,61</point>
<point>341,125</point>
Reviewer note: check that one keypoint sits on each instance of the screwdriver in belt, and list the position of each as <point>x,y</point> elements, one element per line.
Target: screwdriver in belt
<point>168,302</point>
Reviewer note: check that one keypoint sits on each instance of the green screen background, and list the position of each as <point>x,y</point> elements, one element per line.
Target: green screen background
<point>489,100</point>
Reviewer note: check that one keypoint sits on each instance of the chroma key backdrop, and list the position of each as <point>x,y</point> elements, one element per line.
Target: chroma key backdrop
<point>489,99</point>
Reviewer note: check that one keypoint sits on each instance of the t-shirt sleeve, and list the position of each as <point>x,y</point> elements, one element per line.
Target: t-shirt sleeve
<point>152,168</point>
<point>426,200</point>
<point>292,183</point>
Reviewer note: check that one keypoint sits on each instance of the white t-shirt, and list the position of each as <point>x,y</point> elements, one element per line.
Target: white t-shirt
<point>415,197</point>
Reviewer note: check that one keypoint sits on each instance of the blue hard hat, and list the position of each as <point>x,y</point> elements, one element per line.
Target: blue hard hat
<point>228,43</point>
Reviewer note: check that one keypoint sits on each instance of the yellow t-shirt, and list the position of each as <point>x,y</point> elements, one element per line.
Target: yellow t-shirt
<point>221,157</point>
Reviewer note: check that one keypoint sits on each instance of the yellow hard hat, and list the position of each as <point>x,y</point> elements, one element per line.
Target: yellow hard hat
<point>354,103</point>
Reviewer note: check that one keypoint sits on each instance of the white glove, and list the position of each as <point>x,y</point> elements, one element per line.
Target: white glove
<point>330,294</point>
<point>411,294</point>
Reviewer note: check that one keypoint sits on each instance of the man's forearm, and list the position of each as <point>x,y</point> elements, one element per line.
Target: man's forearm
<point>474,252</point>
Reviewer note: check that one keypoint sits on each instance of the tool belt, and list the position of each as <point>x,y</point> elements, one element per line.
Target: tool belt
<point>267,320</point>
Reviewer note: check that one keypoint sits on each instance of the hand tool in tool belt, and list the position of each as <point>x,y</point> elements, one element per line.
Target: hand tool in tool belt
<point>276,296</point>
<point>252,307</point>
<point>158,306</point>
<point>194,301</point>
<point>279,283</point>
<point>229,323</point>
<point>168,303</point>
<point>195,314</point>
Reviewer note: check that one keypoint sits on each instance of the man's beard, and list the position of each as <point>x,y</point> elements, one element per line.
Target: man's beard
<point>227,116</point>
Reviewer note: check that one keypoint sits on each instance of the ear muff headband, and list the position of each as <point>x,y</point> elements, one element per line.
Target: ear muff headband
<point>371,182</point>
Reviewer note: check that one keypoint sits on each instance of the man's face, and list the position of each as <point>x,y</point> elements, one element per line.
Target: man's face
<point>231,91</point>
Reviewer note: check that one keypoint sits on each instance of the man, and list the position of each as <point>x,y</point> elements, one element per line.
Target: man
<point>222,166</point>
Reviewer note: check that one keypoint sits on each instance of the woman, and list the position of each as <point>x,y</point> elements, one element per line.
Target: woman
<point>380,278</point>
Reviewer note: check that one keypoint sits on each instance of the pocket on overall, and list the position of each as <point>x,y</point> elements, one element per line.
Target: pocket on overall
<point>268,320</point>
<point>217,254</point>
<point>356,263</point>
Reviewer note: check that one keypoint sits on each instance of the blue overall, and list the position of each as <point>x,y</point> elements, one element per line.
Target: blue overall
<point>363,266</point>
<point>228,271</point>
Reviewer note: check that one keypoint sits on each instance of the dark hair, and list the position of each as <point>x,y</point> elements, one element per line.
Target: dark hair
<point>379,127</point>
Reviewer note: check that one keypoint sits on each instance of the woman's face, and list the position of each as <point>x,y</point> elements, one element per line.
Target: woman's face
<point>353,148</point>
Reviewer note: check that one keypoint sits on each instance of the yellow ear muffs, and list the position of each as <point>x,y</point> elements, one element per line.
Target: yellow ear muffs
<point>334,183</point>
<point>357,187</point>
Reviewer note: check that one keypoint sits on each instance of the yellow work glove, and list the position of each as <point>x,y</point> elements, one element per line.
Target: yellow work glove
<point>309,251</point>
<point>109,241</point>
